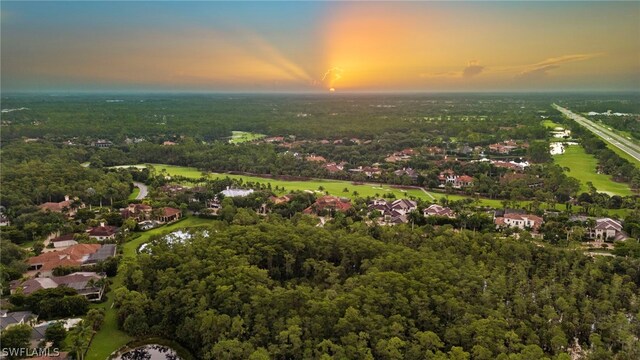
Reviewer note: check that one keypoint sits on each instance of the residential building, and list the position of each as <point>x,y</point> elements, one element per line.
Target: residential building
<point>9,319</point>
<point>87,284</point>
<point>233,192</point>
<point>75,255</point>
<point>367,170</point>
<point>437,210</point>
<point>456,181</point>
<point>68,206</point>
<point>521,221</point>
<point>102,232</point>
<point>606,229</point>
<point>169,214</point>
<point>395,212</point>
<point>407,172</point>
<point>64,241</point>
<point>329,203</point>
<point>102,143</point>
<point>139,212</point>
<point>4,220</point>
<point>315,158</point>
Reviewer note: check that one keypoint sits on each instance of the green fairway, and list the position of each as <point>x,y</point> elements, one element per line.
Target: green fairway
<point>334,187</point>
<point>583,167</point>
<point>549,124</point>
<point>135,193</point>
<point>238,137</point>
<point>110,338</point>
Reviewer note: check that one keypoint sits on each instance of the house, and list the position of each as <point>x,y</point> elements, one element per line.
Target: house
<point>87,284</point>
<point>9,319</point>
<point>139,212</point>
<point>172,188</point>
<point>274,139</point>
<point>315,158</point>
<point>367,170</point>
<point>63,241</point>
<point>328,203</point>
<point>506,147</point>
<point>102,232</point>
<point>457,181</point>
<point>395,212</point>
<point>4,220</point>
<point>102,143</point>
<point>334,167</point>
<point>280,199</point>
<point>407,172</point>
<point>169,143</point>
<point>606,229</point>
<point>520,221</point>
<point>169,214</point>
<point>75,255</point>
<point>234,192</point>
<point>437,210</point>
<point>68,206</point>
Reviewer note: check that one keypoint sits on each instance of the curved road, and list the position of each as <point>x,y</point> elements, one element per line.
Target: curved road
<point>614,139</point>
<point>144,191</point>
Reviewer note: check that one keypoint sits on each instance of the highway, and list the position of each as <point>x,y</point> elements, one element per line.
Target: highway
<point>607,135</point>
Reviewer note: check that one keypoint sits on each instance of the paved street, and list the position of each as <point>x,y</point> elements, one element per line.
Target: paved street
<point>143,190</point>
<point>616,140</point>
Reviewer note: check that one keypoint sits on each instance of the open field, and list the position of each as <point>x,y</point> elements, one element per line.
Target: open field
<point>110,338</point>
<point>549,124</point>
<point>583,168</point>
<point>238,137</point>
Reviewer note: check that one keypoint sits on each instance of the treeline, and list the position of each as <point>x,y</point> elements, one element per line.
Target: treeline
<point>290,290</point>
<point>213,117</point>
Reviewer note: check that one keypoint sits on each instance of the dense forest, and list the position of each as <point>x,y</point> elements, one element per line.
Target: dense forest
<point>290,290</point>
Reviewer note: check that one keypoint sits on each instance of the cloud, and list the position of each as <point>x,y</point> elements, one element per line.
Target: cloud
<point>473,68</point>
<point>541,69</point>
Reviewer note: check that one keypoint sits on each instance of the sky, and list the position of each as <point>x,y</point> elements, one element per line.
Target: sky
<point>182,46</point>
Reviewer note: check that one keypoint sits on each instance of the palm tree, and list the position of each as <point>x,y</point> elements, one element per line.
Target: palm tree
<point>80,337</point>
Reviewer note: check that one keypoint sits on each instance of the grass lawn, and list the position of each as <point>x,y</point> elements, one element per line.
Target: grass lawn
<point>549,124</point>
<point>238,137</point>
<point>335,187</point>
<point>109,338</point>
<point>135,193</point>
<point>583,168</point>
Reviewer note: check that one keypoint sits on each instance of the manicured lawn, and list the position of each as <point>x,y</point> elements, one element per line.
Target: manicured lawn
<point>583,168</point>
<point>109,338</point>
<point>549,124</point>
<point>238,137</point>
<point>334,187</point>
<point>135,193</point>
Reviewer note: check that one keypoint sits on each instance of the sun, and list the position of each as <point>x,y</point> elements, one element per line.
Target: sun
<point>332,90</point>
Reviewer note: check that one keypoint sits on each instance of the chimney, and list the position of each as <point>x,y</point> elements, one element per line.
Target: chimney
<point>66,198</point>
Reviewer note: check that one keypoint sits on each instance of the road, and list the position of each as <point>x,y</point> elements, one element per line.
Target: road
<point>144,191</point>
<point>609,136</point>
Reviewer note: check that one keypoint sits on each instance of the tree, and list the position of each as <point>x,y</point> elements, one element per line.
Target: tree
<point>95,318</point>
<point>16,337</point>
<point>56,333</point>
<point>79,338</point>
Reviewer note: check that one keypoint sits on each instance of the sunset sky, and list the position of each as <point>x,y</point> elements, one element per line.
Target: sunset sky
<point>315,46</point>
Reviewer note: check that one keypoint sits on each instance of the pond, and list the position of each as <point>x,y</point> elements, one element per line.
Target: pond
<point>150,352</point>
<point>178,236</point>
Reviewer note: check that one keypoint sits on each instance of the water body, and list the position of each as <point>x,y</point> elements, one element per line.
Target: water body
<point>178,236</point>
<point>150,352</point>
